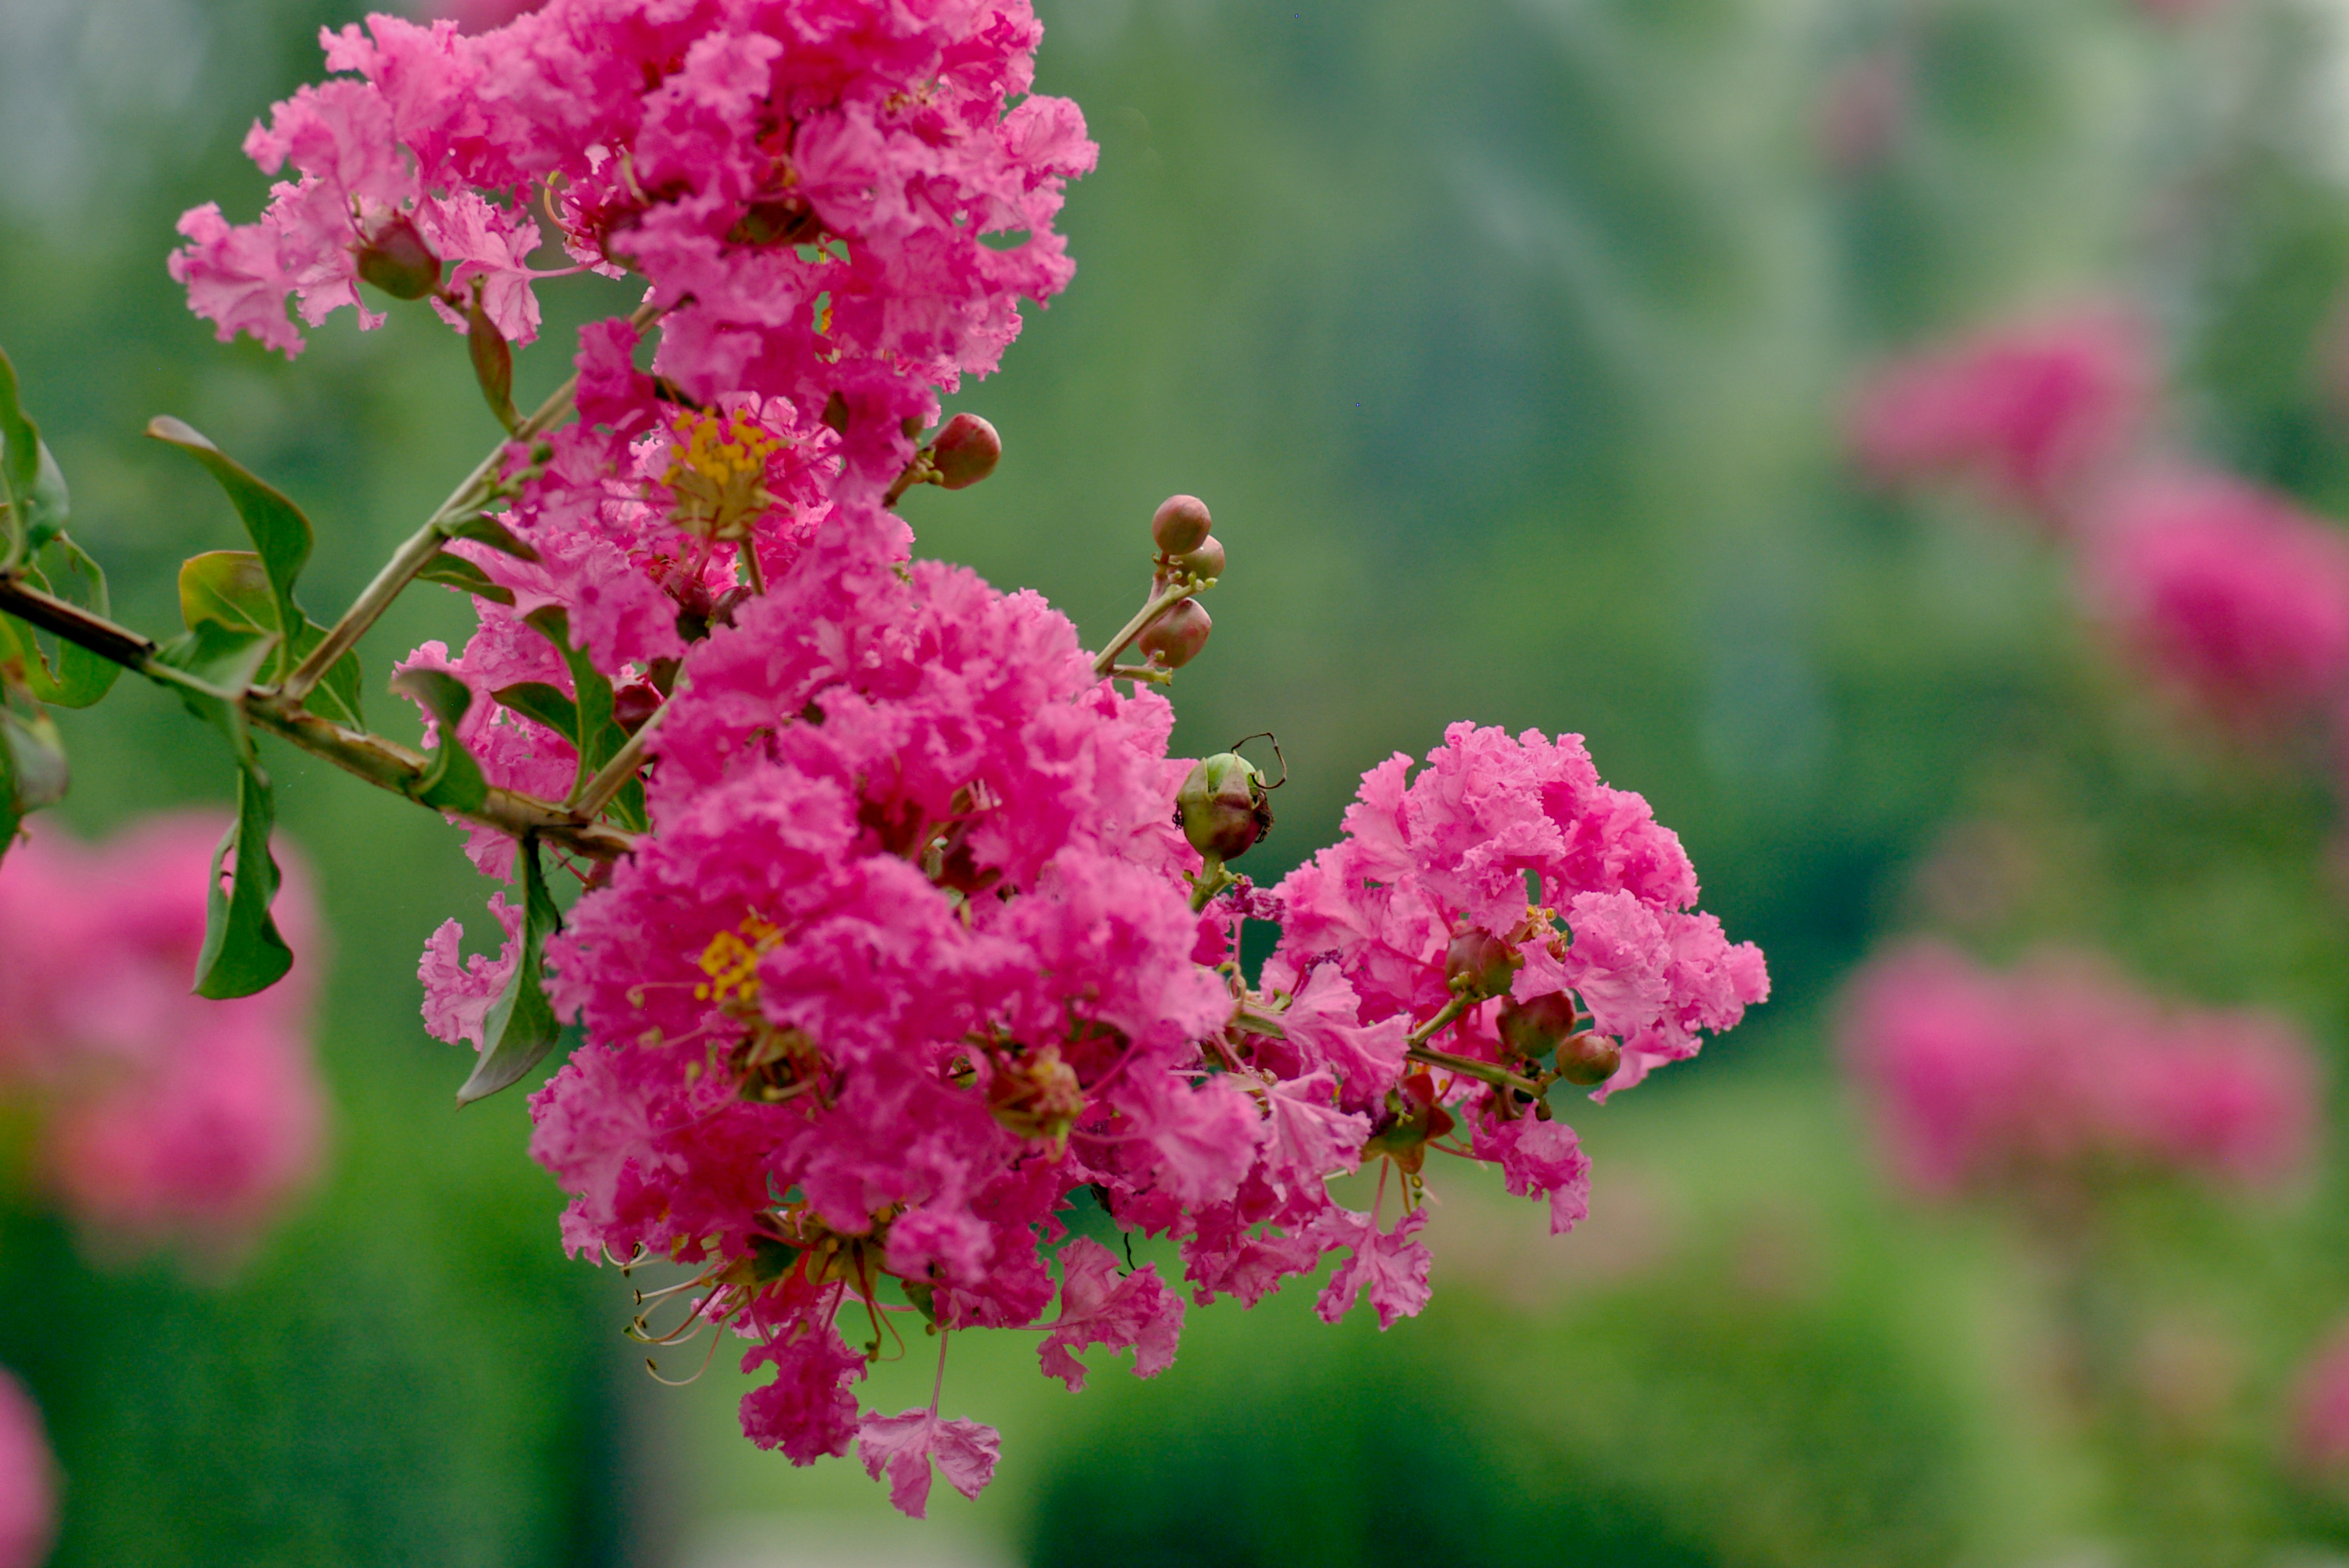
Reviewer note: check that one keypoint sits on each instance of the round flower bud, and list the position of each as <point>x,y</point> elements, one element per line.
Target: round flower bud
<point>1175,638</point>
<point>966,451</point>
<point>634,704</point>
<point>396,260</point>
<point>1205,561</point>
<point>1588,1060</point>
<point>1181,525</point>
<point>1530,1028</point>
<point>1221,807</point>
<point>1483,961</point>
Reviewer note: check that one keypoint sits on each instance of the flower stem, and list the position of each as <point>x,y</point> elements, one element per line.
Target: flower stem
<point>418,549</point>
<point>1174,593</point>
<point>1460,1002</point>
<point>1488,1072</point>
<point>384,763</point>
<point>608,781</point>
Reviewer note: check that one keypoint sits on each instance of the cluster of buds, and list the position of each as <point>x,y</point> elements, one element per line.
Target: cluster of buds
<point>1189,557</point>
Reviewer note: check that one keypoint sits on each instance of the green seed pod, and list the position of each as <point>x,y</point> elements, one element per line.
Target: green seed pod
<point>1530,1028</point>
<point>966,451</point>
<point>1222,807</point>
<point>1180,525</point>
<point>1482,960</point>
<point>1175,638</point>
<point>1588,1060</point>
<point>396,260</point>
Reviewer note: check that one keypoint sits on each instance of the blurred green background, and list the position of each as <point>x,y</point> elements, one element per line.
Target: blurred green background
<point>1505,338</point>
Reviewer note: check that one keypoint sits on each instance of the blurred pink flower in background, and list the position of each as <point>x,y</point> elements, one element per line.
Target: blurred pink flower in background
<point>1862,106</point>
<point>2060,1072</point>
<point>164,1116</point>
<point>2320,1423</point>
<point>29,1489</point>
<point>2224,591</point>
<point>2027,410</point>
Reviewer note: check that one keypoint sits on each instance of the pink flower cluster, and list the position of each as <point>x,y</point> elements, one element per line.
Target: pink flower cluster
<point>163,1116</point>
<point>911,960</point>
<point>837,205</point>
<point>2059,1076</point>
<point>2029,412</point>
<point>2225,593</point>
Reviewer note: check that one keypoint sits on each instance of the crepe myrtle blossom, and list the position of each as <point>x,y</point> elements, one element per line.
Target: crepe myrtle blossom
<point>2027,411</point>
<point>28,1480</point>
<point>907,966</point>
<point>2058,1076</point>
<point>163,1117</point>
<point>2319,1433</point>
<point>907,969</point>
<point>839,204</point>
<point>2225,592</point>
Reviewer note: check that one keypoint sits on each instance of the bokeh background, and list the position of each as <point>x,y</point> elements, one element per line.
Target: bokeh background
<point>1509,341</point>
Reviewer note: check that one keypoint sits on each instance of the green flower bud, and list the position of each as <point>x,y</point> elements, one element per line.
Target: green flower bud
<point>1175,638</point>
<point>1589,1059</point>
<point>1530,1028</point>
<point>1205,561</point>
<point>1222,807</point>
<point>1181,525</point>
<point>966,451</point>
<point>396,260</point>
<point>1483,960</point>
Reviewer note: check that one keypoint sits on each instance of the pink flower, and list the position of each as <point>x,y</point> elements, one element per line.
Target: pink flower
<point>814,191</point>
<point>2227,592</point>
<point>1100,1307</point>
<point>2320,1424</point>
<point>903,958</point>
<point>1386,1265</point>
<point>166,1115</point>
<point>28,1485</point>
<point>2029,411</point>
<point>2060,1073</point>
<point>966,1453</point>
<point>1458,850</point>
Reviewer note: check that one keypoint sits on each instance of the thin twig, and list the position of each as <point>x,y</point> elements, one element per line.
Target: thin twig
<point>1498,1077</point>
<point>418,549</point>
<point>608,781</point>
<point>382,762</point>
<point>1165,599</point>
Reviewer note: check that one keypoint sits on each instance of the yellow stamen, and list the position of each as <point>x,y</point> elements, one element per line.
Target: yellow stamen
<point>717,471</point>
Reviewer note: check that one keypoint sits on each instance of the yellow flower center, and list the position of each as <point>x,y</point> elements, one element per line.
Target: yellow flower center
<point>717,472</point>
<point>732,962</point>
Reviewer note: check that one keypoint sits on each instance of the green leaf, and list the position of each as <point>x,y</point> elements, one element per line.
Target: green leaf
<point>520,1026</point>
<point>279,531</point>
<point>50,669</point>
<point>492,362</point>
<point>598,735</point>
<point>243,951</point>
<point>38,775</point>
<point>459,572</point>
<point>540,702</point>
<point>30,485</point>
<point>453,782</point>
<point>336,695</point>
<point>485,528</point>
<point>230,588</point>
<point>211,666</point>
